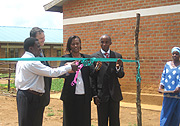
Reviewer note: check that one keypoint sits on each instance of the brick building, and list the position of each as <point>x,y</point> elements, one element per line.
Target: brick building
<point>159,32</point>
<point>12,39</point>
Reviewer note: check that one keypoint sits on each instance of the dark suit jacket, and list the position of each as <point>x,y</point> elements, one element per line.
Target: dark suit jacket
<point>68,92</point>
<point>47,82</point>
<point>106,84</point>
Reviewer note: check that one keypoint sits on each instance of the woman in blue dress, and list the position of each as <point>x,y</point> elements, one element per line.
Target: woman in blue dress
<point>170,82</point>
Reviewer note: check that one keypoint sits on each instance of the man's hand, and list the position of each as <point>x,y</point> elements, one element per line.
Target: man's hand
<point>74,66</point>
<point>68,63</point>
<point>96,101</point>
<point>98,65</point>
<point>119,63</point>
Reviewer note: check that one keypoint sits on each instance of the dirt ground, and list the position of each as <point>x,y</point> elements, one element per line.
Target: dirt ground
<point>54,113</point>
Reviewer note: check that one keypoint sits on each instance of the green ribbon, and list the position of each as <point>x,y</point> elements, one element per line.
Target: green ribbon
<point>64,59</point>
<point>138,76</point>
<point>84,61</point>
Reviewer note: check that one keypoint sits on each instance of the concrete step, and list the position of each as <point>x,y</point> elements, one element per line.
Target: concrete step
<point>143,106</point>
<point>149,99</point>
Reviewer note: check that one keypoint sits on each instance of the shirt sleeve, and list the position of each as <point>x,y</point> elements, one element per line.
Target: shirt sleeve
<point>162,82</point>
<point>178,84</point>
<point>40,69</point>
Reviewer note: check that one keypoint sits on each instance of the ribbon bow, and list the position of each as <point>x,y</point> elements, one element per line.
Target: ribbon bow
<point>77,72</point>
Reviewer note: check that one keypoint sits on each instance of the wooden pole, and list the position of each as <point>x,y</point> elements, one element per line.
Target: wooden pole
<point>138,93</point>
<point>9,78</point>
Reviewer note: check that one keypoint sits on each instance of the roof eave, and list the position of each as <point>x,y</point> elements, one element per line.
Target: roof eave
<point>55,6</point>
<point>54,43</point>
<point>6,42</point>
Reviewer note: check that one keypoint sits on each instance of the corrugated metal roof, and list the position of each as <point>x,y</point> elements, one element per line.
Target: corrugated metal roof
<point>14,34</point>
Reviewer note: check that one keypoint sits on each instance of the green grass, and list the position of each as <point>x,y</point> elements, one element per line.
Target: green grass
<point>12,85</point>
<point>130,124</point>
<point>57,84</point>
<point>50,114</point>
<point>7,75</point>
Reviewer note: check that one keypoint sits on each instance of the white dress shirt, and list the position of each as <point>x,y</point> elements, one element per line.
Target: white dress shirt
<point>103,52</point>
<point>80,85</point>
<point>29,74</point>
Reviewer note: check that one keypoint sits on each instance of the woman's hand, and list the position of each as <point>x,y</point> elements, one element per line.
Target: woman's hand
<point>177,90</point>
<point>161,87</point>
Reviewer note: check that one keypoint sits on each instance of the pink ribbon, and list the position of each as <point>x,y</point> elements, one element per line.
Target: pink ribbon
<point>77,72</point>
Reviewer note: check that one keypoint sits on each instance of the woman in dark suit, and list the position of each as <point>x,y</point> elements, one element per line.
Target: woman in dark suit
<point>77,98</point>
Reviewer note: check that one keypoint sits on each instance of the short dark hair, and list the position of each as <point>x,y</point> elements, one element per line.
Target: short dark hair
<point>28,42</point>
<point>34,31</point>
<point>105,35</point>
<point>68,48</point>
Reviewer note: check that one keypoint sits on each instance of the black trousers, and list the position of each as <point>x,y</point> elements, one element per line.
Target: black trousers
<point>109,110</point>
<point>30,109</point>
<point>77,113</point>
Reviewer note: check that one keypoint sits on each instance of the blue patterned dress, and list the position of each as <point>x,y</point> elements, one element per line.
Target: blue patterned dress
<point>170,113</point>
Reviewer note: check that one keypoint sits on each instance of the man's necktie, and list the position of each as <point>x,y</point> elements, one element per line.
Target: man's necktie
<point>106,54</point>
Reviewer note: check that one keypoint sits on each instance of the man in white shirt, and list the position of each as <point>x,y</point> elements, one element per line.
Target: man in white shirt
<point>29,82</point>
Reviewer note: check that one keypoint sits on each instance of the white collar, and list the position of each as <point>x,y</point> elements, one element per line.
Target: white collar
<point>29,53</point>
<point>102,51</point>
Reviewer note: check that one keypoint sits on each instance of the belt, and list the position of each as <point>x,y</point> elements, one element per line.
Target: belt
<point>35,93</point>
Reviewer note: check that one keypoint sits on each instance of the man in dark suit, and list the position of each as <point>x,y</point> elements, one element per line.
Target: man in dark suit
<point>38,33</point>
<point>106,86</point>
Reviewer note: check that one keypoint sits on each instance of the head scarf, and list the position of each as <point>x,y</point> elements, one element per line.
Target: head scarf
<point>175,49</point>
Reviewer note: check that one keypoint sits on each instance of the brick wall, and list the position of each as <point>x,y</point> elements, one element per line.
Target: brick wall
<point>79,8</point>
<point>158,34</point>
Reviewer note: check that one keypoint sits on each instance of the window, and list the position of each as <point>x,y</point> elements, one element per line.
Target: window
<point>58,53</point>
<point>11,53</point>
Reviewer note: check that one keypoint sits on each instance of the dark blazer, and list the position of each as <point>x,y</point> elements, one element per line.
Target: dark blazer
<point>68,91</point>
<point>47,83</point>
<point>106,84</point>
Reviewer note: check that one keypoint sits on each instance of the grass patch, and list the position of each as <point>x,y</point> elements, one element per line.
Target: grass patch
<point>50,114</point>
<point>60,110</point>
<point>130,124</point>
<point>12,85</point>
<point>7,75</point>
<point>57,84</point>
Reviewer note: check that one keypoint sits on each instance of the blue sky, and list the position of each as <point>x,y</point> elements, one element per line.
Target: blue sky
<point>29,13</point>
